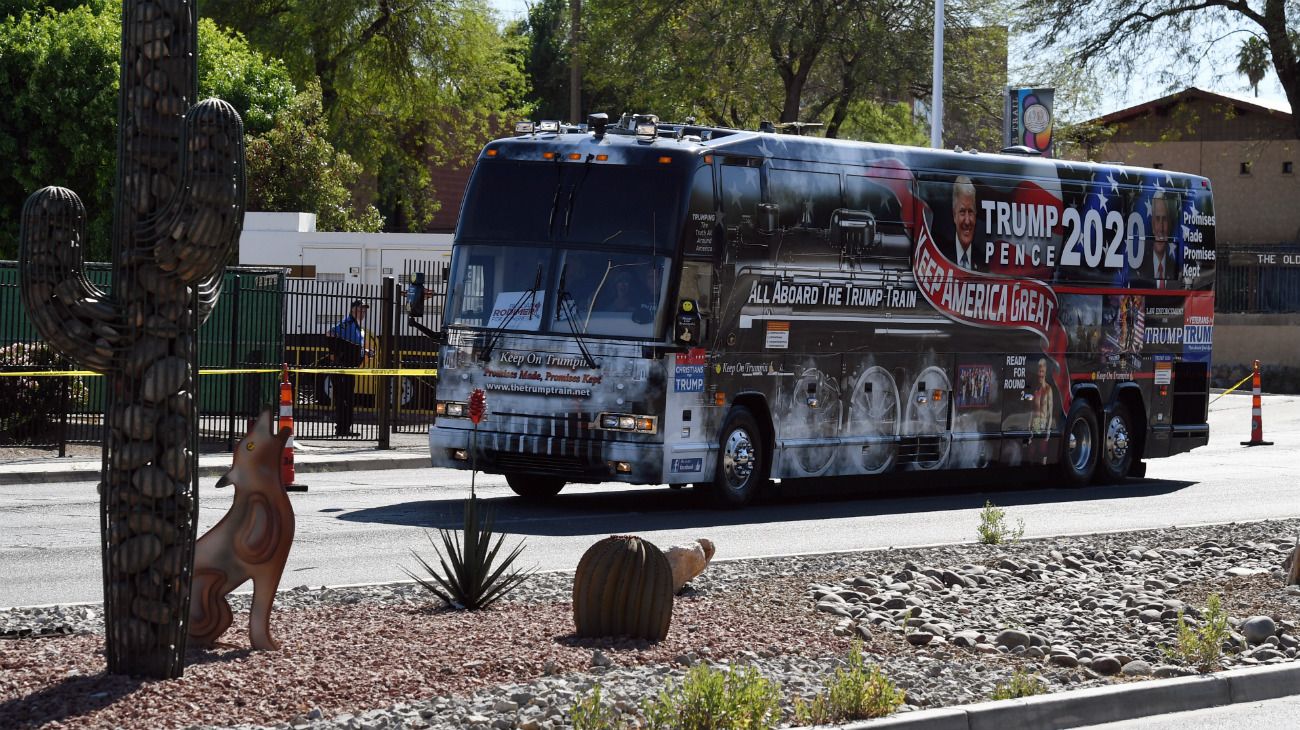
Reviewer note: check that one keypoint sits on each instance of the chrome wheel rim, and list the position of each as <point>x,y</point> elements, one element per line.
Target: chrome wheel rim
<point>1080,445</point>
<point>738,459</point>
<point>1117,441</point>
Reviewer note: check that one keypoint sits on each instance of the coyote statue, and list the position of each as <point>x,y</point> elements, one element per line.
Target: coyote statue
<point>251,542</point>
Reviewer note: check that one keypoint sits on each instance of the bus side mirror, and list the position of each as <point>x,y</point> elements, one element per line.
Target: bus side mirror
<point>415,297</point>
<point>768,215</point>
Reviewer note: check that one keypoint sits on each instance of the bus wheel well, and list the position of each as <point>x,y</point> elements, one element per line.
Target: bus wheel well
<point>757,405</point>
<point>1090,394</point>
<point>1131,397</point>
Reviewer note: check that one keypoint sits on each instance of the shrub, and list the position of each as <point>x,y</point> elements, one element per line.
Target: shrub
<point>1202,646</point>
<point>856,692</point>
<point>993,527</point>
<point>1021,684</point>
<point>711,699</point>
<point>590,713</point>
<point>470,577</point>
<point>29,406</point>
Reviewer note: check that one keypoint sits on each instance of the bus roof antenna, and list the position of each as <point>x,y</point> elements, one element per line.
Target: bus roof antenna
<point>766,126</point>
<point>598,122</point>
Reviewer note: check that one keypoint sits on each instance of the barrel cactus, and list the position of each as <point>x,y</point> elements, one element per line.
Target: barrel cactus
<point>178,213</point>
<point>623,587</point>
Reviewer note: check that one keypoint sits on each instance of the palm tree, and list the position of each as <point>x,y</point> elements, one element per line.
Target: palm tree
<point>1253,61</point>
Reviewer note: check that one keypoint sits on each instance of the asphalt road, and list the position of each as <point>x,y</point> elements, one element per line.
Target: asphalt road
<point>1268,715</point>
<point>359,527</point>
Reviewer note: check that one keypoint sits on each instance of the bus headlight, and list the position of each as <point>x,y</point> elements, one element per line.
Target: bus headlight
<point>627,422</point>
<point>451,410</point>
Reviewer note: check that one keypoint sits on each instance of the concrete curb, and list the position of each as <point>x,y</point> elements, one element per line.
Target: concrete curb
<point>1099,705</point>
<point>310,465</point>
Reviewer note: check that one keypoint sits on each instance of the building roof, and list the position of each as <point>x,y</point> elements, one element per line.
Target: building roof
<point>1271,107</point>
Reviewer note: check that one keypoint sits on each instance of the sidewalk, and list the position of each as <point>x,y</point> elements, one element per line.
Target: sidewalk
<point>410,451</point>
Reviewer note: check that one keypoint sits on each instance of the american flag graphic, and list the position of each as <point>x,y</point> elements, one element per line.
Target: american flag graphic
<point>1127,331</point>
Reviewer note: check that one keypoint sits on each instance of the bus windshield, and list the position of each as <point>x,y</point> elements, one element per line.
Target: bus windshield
<point>592,203</point>
<point>587,292</point>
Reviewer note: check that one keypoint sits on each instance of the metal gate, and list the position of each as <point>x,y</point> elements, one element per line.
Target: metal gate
<point>381,403</point>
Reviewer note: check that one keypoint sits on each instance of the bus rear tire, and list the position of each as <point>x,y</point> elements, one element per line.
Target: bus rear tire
<point>1115,458</point>
<point>1079,445</point>
<point>741,465</point>
<point>534,487</point>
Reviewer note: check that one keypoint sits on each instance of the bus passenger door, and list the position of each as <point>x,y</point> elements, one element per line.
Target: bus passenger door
<point>689,423</point>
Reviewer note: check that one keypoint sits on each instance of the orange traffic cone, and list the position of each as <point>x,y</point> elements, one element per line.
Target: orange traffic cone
<point>286,421</point>
<point>1256,414</point>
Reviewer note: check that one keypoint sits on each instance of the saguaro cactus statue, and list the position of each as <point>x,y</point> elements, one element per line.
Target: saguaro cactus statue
<point>178,212</point>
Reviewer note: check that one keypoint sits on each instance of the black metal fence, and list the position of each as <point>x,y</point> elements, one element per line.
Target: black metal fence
<point>244,332</point>
<point>1260,279</point>
<point>397,341</point>
<point>263,320</point>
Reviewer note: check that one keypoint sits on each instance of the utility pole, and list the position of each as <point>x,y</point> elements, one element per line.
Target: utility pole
<point>575,68</point>
<point>936,108</point>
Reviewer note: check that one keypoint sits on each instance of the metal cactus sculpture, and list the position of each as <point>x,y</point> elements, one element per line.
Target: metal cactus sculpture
<point>178,212</point>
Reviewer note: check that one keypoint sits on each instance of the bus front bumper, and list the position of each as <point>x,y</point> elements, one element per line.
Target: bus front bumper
<point>576,460</point>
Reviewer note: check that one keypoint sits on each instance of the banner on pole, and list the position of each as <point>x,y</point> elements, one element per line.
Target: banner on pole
<point>1028,119</point>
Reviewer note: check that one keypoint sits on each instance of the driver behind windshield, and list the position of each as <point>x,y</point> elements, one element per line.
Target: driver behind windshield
<point>632,294</point>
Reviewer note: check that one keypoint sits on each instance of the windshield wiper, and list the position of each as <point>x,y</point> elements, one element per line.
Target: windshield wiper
<point>562,297</point>
<point>495,335</point>
<point>555,199</point>
<point>573,192</point>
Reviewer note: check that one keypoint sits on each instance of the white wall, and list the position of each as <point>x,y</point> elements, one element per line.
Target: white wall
<point>291,240</point>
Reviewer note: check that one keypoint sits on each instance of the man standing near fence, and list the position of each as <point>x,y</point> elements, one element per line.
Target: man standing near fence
<point>347,341</point>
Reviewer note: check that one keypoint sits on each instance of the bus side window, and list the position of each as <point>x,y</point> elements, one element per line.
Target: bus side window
<point>874,198</point>
<point>475,283</point>
<point>741,195</point>
<point>696,289</point>
<point>702,215</point>
<point>804,199</point>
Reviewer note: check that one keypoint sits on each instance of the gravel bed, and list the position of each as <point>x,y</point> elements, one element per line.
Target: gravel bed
<point>945,623</point>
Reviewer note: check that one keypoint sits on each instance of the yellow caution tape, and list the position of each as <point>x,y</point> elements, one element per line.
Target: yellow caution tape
<point>50,374</point>
<point>365,371</point>
<point>419,372</point>
<point>1229,390</point>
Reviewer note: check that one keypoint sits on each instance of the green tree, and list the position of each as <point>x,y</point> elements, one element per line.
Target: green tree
<point>545,34</point>
<point>15,8</point>
<point>405,84</point>
<point>293,167</point>
<point>889,123</point>
<point>1253,61</point>
<point>1119,37</point>
<point>230,70</point>
<point>61,68</point>
<point>735,64</point>
<point>59,121</point>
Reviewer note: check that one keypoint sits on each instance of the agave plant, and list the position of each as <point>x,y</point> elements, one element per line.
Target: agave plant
<point>470,577</point>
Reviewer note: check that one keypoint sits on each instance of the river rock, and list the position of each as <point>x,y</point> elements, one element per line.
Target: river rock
<point>1011,638</point>
<point>1069,661</point>
<point>1106,664</point>
<point>1136,668</point>
<point>1257,629</point>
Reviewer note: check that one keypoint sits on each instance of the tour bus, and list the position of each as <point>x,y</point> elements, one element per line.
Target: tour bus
<point>677,304</point>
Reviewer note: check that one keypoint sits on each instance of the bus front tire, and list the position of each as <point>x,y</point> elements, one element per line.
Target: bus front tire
<point>531,486</point>
<point>1115,460</point>
<point>1079,445</point>
<point>741,464</point>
